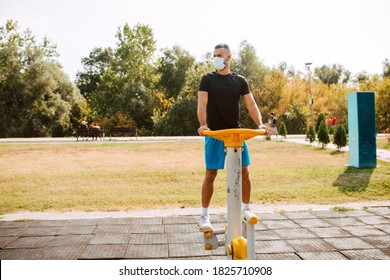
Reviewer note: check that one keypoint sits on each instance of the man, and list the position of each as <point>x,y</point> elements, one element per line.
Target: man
<point>218,108</point>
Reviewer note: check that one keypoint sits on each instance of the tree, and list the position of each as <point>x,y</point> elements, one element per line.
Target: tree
<point>386,68</point>
<point>126,79</point>
<point>181,119</point>
<point>173,68</point>
<point>37,98</point>
<point>282,130</point>
<point>95,65</point>
<point>310,134</point>
<point>331,74</point>
<point>340,137</point>
<point>323,135</point>
<point>320,119</point>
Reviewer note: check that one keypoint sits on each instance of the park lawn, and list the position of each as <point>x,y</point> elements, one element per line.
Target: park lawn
<point>102,176</point>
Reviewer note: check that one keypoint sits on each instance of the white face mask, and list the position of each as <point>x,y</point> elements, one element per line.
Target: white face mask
<point>219,63</point>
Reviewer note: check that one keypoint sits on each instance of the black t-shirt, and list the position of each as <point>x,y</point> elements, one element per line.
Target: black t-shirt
<point>224,93</point>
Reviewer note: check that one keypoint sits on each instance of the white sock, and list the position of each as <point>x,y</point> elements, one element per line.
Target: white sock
<point>205,211</point>
<point>245,206</point>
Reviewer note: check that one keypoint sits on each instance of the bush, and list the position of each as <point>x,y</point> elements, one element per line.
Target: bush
<point>340,137</point>
<point>310,134</point>
<point>282,130</point>
<point>323,135</point>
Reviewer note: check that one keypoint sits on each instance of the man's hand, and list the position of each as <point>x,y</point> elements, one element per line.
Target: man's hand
<point>202,128</point>
<point>263,126</point>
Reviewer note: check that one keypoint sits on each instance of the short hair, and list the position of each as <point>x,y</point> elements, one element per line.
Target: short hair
<point>222,46</point>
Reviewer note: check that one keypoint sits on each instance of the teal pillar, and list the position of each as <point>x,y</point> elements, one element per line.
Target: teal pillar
<point>362,129</point>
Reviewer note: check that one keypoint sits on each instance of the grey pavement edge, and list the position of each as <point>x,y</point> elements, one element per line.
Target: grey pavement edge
<point>362,234</point>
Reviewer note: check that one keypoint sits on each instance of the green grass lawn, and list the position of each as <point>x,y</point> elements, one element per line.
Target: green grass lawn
<point>128,176</point>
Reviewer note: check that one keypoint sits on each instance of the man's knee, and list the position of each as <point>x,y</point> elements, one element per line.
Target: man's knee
<point>211,174</point>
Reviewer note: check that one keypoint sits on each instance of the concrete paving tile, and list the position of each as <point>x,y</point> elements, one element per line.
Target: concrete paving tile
<point>114,221</point>
<point>380,210</point>
<point>148,238</point>
<point>347,221</point>
<point>321,256</point>
<point>279,224</point>
<point>179,220</point>
<point>221,218</point>
<point>103,252</point>
<point>310,223</point>
<point>40,231</point>
<point>51,223</point>
<point>310,245</point>
<point>61,253</point>
<point>329,232</point>
<point>30,242</point>
<point>70,240</point>
<point>110,228</point>
<point>14,224</point>
<point>374,220</point>
<point>347,243</point>
<point>12,231</point>
<point>294,233</point>
<point>383,227</point>
<point>147,228</point>
<point>188,250</point>
<point>181,228</point>
<point>85,222</point>
<point>146,221</point>
<point>328,214</point>
<point>271,216</point>
<point>156,251</point>
<point>358,213</point>
<point>73,229</point>
<point>370,254</point>
<point>5,240</point>
<point>273,246</point>
<point>20,254</point>
<point>281,256</point>
<point>260,226</point>
<point>187,237</point>
<point>363,230</point>
<point>110,238</point>
<point>380,242</point>
<point>266,235</point>
<point>299,215</point>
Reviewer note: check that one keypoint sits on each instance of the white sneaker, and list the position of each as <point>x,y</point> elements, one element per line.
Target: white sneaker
<point>204,223</point>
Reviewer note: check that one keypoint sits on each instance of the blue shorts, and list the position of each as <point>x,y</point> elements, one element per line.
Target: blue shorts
<point>214,151</point>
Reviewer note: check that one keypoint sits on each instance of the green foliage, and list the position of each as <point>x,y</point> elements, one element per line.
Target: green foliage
<point>181,119</point>
<point>323,135</point>
<point>295,119</point>
<point>310,134</point>
<point>282,130</point>
<point>332,74</point>
<point>174,67</point>
<point>320,119</point>
<point>37,98</point>
<point>340,137</point>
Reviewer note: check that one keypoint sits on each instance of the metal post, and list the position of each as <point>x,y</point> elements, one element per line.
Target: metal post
<point>311,98</point>
<point>234,194</point>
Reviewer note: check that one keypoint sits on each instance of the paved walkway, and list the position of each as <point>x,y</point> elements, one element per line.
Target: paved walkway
<point>325,234</point>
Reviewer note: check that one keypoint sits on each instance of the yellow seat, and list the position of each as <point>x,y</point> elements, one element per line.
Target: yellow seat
<point>234,137</point>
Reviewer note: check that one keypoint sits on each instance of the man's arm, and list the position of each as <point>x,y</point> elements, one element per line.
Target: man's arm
<point>203,98</point>
<point>253,110</point>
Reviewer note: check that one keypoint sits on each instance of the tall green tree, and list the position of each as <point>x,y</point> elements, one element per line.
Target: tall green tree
<point>332,74</point>
<point>174,67</point>
<point>126,79</point>
<point>36,97</point>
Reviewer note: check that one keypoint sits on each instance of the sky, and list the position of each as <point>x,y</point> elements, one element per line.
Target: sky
<point>353,33</point>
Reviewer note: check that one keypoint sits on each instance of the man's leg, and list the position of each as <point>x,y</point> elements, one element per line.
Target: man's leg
<point>208,187</point>
<point>246,185</point>
<point>207,193</point>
